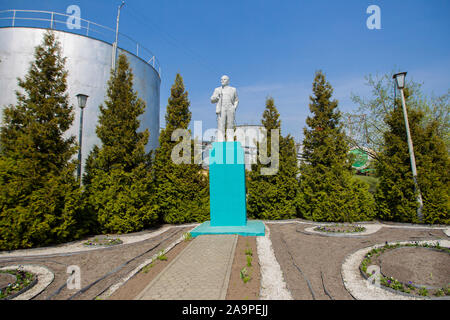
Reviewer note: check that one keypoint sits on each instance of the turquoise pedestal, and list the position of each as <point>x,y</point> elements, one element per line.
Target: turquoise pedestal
<point>228,209</point>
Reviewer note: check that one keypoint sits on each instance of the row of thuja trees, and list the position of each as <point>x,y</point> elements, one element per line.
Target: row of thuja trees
<point>325,189</point>
<point>126,189</point>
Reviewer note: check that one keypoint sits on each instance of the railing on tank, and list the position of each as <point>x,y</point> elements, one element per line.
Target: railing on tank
<point>48,19</point>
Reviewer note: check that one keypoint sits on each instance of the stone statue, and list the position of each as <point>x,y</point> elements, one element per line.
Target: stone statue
<point>226,100</point>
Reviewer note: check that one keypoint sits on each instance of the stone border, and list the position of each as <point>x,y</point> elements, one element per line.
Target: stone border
<point>44,279</point>
<point>226,282</point>
<point>79,246</point>
<point>370,229</point>
<point>447,232</point>
<point>362,289</point>
<point>113,288</point>
<point>273,286</point>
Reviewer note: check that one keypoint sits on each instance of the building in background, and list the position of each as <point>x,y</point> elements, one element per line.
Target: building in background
<point>248,135</point>
<point>89,58</point>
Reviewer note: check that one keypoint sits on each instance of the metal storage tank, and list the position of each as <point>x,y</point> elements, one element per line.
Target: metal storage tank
<point>88,64</point>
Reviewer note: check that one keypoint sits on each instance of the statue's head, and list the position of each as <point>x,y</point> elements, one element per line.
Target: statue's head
<point>225,80</point>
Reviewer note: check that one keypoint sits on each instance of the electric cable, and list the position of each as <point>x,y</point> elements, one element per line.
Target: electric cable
<point>298,268</point>
<point>323,285</point>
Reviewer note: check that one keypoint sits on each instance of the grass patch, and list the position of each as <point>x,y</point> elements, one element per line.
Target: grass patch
<point>162,256</point>
<point>187,236</point>
<point>245,275</point>
<point>147,268</point>
<point>249,261</point>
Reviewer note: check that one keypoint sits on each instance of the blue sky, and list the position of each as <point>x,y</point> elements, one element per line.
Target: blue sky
<point>270,47</point>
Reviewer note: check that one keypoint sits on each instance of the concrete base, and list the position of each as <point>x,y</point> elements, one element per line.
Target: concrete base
<point>253,228</point>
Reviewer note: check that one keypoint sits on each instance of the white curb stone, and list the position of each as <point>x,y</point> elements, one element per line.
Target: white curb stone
<point>273,286</point>
<point>447,232</point>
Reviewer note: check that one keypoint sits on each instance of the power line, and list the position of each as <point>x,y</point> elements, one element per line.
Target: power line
<point>172,40</point>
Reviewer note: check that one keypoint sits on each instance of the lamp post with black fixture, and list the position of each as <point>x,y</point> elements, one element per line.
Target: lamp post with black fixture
<point>82,98</point>
<point>400,82</point>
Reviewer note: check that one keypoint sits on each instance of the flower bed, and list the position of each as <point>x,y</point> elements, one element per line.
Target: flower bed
<point>103,242</point>
<point>409,287</point>
<point>340,228</point>
<point>23,281</point>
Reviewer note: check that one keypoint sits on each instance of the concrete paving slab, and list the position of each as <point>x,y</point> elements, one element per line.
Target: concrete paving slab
<point>200,272</point>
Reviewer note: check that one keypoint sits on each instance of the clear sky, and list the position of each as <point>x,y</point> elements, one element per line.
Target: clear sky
<point>270,47</point>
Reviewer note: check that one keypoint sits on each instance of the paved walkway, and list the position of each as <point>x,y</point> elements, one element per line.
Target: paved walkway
<point>200,272</point>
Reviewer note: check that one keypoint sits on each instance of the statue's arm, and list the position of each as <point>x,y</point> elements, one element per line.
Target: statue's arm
<point>215,96</point>
<point>236,99</point>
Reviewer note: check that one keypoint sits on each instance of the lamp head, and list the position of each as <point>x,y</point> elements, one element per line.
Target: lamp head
<point>400,79</point>
<point>82,98</point>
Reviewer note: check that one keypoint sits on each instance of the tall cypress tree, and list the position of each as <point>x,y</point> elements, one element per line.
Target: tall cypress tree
<point>273,196</point>
<point>181,190</point>
<point>118,176</point>
<point>327,190</point>
<point>396,196</point>
<point>39,195</point>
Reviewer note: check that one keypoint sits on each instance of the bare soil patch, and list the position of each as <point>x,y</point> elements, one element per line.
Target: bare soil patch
<point>5,279</point>
<point>140,280</point>
<point>245,253</point>
<point>419,265</point>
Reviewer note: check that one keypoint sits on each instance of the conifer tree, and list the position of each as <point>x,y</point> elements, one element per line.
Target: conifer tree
<point>118,176</point>
<point>40,201</point>
<point>328,191</point>
<point>396,196</point>
<point>273,196</point>
<point>181,190</point>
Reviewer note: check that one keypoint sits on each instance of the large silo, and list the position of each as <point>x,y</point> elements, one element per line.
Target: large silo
<point>88,64</point>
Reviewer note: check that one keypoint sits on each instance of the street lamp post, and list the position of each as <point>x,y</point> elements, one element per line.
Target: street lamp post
<point>82,98</point>
<point>400,81</point>
<point>114,55</point>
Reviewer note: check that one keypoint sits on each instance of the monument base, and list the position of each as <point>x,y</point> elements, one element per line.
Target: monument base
<point>253,228</point>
